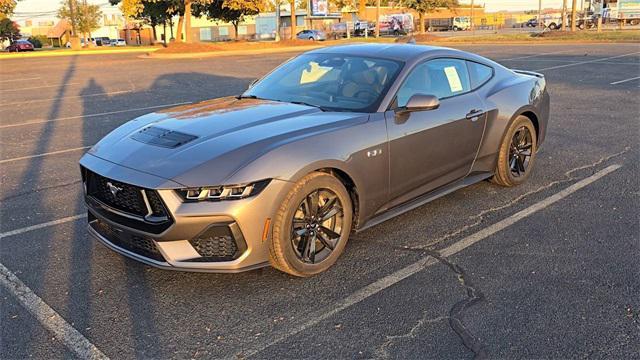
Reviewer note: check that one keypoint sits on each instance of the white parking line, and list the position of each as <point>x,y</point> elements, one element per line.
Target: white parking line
<point>45,154</point>
<point>586,62</point>
<point>66,97</point>
<point>48,317</point>
<point>21,79</point>
<point>624,81</point>
<point>42,225</point>
<point>419,265</point>
<point>31,122</point>
<point>39,87</point>
<point>536,55</point>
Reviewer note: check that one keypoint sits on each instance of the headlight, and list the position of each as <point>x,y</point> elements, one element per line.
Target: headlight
<point>226,192</point>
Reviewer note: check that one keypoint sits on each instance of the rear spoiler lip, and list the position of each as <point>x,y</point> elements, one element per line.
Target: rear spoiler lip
<point>530,73</point>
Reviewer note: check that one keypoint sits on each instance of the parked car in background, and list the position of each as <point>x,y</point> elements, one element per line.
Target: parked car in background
<point>533,22</point>
<point>552,22</point>
<point>396,24</point>
<point>118,42</point>
<point>102,41</point>
<point>453,23</point>
<point>313,35</point>
<point>20,45</point>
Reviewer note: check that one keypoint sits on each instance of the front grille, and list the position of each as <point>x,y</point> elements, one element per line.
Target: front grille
<point>217,243</point>
<point>124,197</point>
<point>137,244</point>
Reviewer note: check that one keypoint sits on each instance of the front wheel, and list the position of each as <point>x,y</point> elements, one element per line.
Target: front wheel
<point>312,226</point>
<point>312,39</point>
<point>517,153</point>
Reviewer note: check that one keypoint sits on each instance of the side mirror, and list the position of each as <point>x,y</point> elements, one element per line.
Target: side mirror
<point>421,102</point>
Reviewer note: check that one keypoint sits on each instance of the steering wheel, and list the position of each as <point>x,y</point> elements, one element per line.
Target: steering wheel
<point>369,92</point>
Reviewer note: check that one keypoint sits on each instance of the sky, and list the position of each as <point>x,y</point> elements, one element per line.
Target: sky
<point>47,8</point>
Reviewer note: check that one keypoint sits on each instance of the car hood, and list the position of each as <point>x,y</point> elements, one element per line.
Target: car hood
<point>206,143</point>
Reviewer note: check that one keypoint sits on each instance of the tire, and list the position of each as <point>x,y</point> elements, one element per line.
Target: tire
<point>553,26</point>
<point>506,174</point>
<point>312,39</point>
<point>634,22</point>
<point>287,249</point>
<point>581,26</point>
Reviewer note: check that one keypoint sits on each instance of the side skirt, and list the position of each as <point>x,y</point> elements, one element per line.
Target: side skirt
<point>423,199</point>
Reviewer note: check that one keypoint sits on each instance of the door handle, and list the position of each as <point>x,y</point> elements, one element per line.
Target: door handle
<point>474,114</point>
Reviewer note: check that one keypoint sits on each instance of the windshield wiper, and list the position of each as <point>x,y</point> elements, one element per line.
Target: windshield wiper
<point>249,97</point>
<point>307,104</point>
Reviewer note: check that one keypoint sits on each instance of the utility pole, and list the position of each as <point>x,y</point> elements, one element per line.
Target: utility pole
<point>187,22</point>
<point>294,21</point>
<point>563,21</point>
<point>73,17</point>
<point>377,18</point>
<point>277,20</point>
<point>540,14</point>
<point>573,15</point>
<point>473,30</point>
<point>73,39</point>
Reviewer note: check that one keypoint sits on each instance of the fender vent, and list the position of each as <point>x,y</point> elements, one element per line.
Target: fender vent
<point>158,136</point>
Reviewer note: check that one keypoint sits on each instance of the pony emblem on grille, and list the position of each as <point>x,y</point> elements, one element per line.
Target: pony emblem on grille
<point>114,189</point>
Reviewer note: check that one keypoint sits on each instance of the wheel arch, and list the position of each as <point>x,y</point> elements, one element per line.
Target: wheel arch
<point>351,187</point>
<point>339,170</point>
<point>534,119</point>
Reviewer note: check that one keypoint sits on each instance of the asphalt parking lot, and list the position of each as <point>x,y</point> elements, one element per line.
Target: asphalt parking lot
<point>549,269</point>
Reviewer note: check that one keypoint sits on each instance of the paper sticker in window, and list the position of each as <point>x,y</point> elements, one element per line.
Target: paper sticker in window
<point>314,73</point>
<point>453,78</point>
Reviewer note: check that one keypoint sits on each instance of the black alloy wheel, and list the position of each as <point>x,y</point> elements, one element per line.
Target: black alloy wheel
<point>317,226</point>
<point>520,151</point>
<point>517,153</point>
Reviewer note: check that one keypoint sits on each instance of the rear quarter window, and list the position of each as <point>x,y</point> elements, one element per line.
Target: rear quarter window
<point>479,74</point>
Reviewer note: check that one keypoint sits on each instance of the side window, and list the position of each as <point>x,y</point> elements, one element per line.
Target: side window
<point>440,77</point>
<point>416,83</point>
<point>479,74</point>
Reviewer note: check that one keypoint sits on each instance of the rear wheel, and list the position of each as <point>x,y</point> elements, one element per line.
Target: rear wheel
<point>553,26</point>
<point>312,226</point>
<point>517,153</point>
<point>311,38</point>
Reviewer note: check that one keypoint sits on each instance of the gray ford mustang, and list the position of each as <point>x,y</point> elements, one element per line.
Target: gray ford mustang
<point>333,141</point>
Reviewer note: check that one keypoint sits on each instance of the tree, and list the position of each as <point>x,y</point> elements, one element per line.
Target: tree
<point>9,30</point>
<point>150,12</point>
<point>233,11</point>
<point>6,8</point>
<point>84,18</point>
<point>135,9</point>
<point>424,6</point>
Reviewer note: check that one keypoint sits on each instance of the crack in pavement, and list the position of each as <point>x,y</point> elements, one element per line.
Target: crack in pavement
<point>479,218</point>
<point>382,351</point>
<point>40,189</point>
<point>474,296</point>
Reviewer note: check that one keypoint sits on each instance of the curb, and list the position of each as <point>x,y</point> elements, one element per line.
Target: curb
<point>54,53</point>
<point>221,53</point>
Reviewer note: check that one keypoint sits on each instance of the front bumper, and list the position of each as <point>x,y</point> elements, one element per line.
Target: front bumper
<point>223,236</point>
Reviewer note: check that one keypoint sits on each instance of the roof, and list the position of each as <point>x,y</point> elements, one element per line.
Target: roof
<point>402,52</point>
<point>59,29</point>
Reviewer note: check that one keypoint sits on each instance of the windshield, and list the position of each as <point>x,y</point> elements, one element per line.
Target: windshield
<point>329,81</point>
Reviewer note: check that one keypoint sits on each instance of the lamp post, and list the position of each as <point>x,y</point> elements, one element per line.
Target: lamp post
<point>377,18</point>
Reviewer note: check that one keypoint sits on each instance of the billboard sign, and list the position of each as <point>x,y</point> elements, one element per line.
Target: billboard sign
<point>319,7</point>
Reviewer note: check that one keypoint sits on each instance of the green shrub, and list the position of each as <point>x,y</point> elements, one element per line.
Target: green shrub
<point>38,40</point>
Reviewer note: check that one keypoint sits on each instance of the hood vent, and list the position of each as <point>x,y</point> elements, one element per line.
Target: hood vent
<point>158,136</point>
